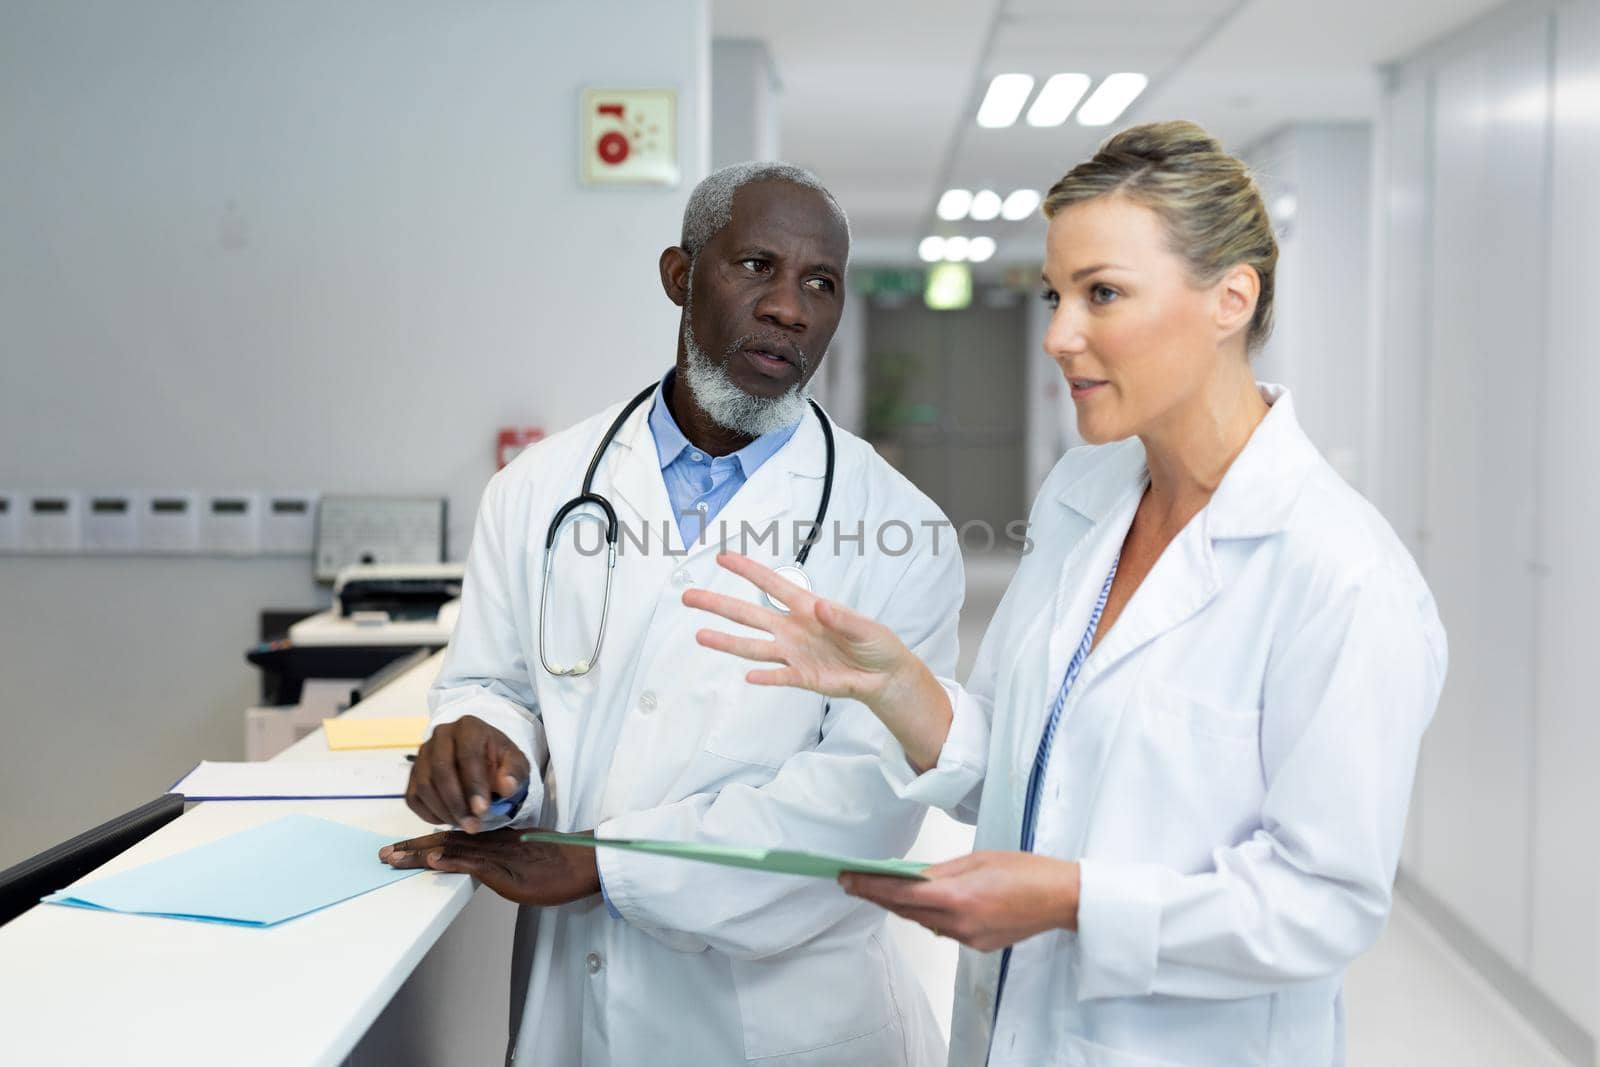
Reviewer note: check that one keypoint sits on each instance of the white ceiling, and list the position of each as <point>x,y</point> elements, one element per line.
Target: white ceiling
<point>879,97</point>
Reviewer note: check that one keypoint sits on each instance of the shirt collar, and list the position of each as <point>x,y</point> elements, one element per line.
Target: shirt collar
<point>1256,494</point>
<point>671,443</point>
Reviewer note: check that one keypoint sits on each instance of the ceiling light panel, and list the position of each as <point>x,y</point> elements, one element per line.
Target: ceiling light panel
<point>985,205</point>
<point>931,249</point>
<point>953,205</point>
<point>955,249</point>
<point>1019,205</point>
<point>980,249</point>
<point>1055,101</point>
<point>1111,98</point>
<point>1003,102</point>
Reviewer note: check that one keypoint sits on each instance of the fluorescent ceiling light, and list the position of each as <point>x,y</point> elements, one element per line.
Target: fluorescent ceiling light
<point>931,249</point>
<point>1057,99</point>
<point>1003,102</point>
<point>1019,205</point>
<point>985,205</point>
<point>1111,99</point>
<point>955,249</point>
<point>980,248</point>
<point>953,204</point>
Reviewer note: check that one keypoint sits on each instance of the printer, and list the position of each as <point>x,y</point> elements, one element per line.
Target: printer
<point>384,615</point>
<point>411,604</point>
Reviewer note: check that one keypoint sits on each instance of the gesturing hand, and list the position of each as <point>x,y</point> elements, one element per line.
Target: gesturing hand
<point>528,872</point>
<point>458,769</point>
<point>986,900</point>
<point>825,647</point>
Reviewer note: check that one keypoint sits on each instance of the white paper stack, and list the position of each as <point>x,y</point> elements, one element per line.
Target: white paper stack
<point>344,779</point>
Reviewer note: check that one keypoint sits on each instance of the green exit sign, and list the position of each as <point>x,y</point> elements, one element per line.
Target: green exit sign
<point>885,282</point>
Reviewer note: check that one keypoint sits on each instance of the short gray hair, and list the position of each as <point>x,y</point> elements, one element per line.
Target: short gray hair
<point>710,206</point>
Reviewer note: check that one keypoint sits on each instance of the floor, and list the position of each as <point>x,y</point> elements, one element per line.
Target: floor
<point>1411,1001</point>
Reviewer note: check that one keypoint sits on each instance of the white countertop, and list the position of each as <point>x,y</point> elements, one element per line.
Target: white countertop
<point>97,987</point>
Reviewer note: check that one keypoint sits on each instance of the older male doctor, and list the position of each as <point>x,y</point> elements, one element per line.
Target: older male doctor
<point>627,959</point>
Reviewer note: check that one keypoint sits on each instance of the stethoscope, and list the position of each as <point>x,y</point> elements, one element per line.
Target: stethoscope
<point>793,572</point>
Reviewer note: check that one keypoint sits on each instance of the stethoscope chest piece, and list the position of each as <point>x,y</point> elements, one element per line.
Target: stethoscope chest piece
<point>795,575</point>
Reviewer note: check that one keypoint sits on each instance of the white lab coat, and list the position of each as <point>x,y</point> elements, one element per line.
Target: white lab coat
<point>1232,766</point>
<point>665,739</point>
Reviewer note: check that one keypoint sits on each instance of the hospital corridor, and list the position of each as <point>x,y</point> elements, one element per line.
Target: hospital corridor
<point>718,533</point>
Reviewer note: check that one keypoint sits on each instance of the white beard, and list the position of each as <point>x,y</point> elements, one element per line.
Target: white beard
<point>726,404</point>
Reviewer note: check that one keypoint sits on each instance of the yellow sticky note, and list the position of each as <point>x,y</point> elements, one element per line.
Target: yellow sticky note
<point>375,733</point>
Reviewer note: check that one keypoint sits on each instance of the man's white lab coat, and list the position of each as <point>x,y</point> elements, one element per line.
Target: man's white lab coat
<point>665,739</point>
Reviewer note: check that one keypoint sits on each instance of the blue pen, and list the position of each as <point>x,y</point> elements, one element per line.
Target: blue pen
<point>502,808</point>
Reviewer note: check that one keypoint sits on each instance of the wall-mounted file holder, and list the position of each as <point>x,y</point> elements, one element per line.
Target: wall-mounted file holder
<point>230,524</point>
<point>288,523</point>
<point>170,523</point>
<point>8,520</point>
<point>50,523</point>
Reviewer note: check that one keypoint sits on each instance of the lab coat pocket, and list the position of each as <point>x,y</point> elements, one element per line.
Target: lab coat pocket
<point>823,1003</point>
<point>1169,705</point>
<point>1189,779</point>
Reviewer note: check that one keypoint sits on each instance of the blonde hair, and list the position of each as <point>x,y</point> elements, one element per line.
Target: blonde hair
<point>1207,200</point>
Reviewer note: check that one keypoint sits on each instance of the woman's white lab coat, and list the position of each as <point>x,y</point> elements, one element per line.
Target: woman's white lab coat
<point>664,739</point>
<point>1232,767</point>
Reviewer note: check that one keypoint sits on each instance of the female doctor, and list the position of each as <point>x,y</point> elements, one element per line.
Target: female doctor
<point>1189,739</point>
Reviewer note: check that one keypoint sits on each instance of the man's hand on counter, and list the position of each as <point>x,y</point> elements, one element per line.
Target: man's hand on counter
<point>460,769</point>
<point>527,872</point>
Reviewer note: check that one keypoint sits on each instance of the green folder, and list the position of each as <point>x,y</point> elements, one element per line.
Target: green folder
<point>775,861</point>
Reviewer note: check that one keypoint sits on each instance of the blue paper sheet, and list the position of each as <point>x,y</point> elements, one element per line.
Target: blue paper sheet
<point>258,877</point>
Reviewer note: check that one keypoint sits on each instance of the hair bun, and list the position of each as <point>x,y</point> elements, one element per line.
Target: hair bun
<point>1161,142</point>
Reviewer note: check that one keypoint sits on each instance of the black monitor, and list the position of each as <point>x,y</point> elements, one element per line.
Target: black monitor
<point>58,867</point>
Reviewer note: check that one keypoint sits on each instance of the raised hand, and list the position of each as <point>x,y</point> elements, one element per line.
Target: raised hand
<point>822,646</point>
<point>827,648</point>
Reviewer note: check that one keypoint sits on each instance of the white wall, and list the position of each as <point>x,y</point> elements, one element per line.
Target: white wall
<point>1397,385</point>
<point>1481,475</point>
<point>744,102</point>
<point>1316,178</point>
<point>1564,949</point>
<point>1490,253</point>
<point>286,244</point>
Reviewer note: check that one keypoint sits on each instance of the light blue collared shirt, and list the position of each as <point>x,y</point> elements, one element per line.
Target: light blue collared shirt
<point>700,485</point>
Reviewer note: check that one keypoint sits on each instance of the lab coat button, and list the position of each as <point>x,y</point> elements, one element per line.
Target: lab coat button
<point>593,962</point>
<point>682,578</point>
<point>647,701</point>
